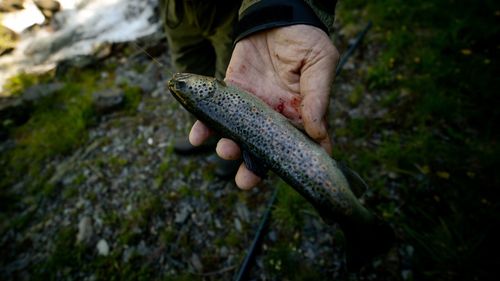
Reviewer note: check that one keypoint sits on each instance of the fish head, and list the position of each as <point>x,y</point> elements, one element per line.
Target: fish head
<point>191,89</point>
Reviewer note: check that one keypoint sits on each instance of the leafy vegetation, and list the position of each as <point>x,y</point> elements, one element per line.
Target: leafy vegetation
<point>436,73</point>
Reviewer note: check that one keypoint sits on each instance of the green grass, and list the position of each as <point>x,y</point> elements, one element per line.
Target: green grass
<point>436,74</point>
<point>58,122</point>
<point>288,212</point>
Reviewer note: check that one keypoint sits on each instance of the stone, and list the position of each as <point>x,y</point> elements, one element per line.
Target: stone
<point>107,101</point>
<point>48,7</point>
<point>11,5</point>
<point>85,230</point>
<point>143,249</point>
<point>128,253</point>
<point>63,66</point>
<point>183,214</point>
<point>242,211</point>
<point>102,247</point>
<point>51,5</point>
<point>9,39</point>
<point>196,262</point>
<point>36,92</point>
<point>237,224</point>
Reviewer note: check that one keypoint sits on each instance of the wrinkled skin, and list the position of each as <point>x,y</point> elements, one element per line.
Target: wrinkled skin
<point>292,69</point>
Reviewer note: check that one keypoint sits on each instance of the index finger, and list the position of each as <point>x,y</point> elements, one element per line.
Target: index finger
<point>199,133</point>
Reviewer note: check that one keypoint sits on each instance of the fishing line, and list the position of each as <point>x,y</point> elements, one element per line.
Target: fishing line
<point>169,72</point>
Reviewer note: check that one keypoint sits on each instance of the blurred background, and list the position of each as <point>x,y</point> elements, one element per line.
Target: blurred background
<point>90,188</point>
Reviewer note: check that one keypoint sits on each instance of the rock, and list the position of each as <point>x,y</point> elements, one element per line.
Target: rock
<point>242,211</point>
<point>11,5</point>
<point>36,92</point>
<point>107,101</point>
<point>196,262</point>
<point>183,214</point>
<point>237,224</point>
<point>8,40</point>
<point>223,251</point>
<point>145,81</point>
<point>48,7</point>
<point>80,61</point>
<point>128,253</point>
<point>142,249</point>
<point>102,247</point>
<point>85,230</point>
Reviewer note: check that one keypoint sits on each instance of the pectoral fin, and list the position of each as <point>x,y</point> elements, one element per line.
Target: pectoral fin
<point>254,164</point>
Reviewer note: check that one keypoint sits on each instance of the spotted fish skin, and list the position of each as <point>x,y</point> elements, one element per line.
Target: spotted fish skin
<point>270,137</point>
<point>299,161</point>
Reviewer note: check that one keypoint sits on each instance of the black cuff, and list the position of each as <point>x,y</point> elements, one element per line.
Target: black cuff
<point>268,14</point>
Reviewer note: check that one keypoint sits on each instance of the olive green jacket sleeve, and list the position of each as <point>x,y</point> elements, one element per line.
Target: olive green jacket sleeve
<point>257,15</point>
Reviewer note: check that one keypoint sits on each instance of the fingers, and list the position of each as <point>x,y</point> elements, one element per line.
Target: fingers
<point>245,179</point>
<point>199,133</point>
<point>313,114</point>
<point>326,142</point>
<point>315,86</point>
<point>228,149</point>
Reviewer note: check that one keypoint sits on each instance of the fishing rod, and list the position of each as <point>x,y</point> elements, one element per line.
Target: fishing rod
<point>257,240</point>
<point>352,47</point>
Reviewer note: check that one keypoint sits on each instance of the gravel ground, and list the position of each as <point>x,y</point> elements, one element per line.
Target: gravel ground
<point>126,195</point>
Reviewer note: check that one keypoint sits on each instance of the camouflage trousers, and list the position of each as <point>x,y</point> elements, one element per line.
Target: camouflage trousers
<point>200,34</point>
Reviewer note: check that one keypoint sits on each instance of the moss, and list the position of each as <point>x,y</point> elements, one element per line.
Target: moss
<point>356,95</point>
<point>53,129</point>
<point>78,180</point>
<point>232,239</point>
<point>116,163</point>
<point>148,207</point>
<point>285,263</point>
<point>288,211</point>
<point>65,258</point>
<point>168,235</point>
<point>132,97</point>
<point>15,85</point>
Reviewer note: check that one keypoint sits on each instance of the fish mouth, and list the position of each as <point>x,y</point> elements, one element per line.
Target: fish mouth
<point>175,86</point>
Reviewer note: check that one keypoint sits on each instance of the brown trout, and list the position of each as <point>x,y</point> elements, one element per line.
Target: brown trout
<point>273,141</point>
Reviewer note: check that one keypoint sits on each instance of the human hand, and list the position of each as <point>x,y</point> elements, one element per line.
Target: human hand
<point>291,69</point>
